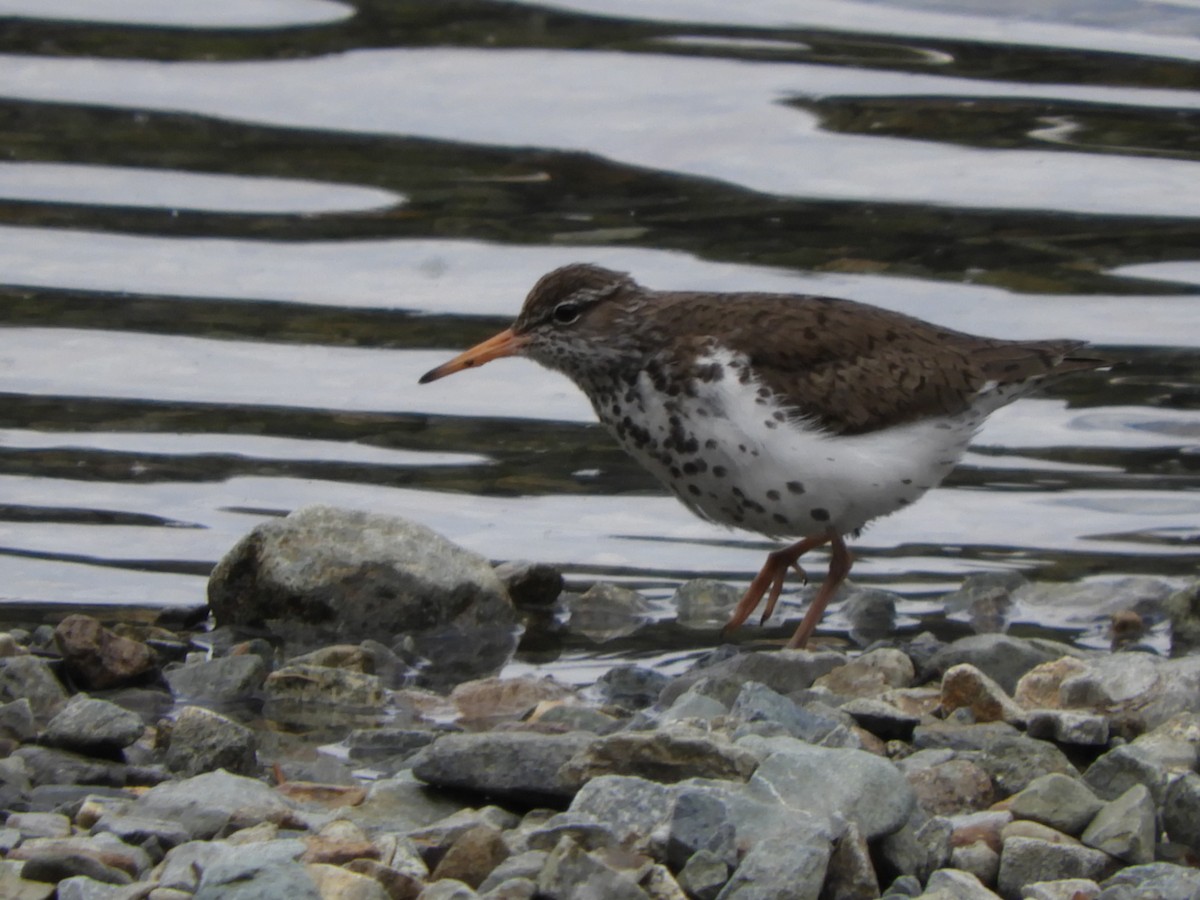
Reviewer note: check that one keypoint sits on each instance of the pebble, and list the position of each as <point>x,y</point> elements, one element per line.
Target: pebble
<point>990,766</point>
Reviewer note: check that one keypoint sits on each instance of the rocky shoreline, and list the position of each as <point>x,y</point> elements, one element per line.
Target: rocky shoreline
<point>339,731</point>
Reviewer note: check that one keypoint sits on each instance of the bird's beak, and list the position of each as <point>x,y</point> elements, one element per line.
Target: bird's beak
<point>506,343</point>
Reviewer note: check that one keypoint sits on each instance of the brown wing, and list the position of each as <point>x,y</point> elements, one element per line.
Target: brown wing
<point>855,368</point>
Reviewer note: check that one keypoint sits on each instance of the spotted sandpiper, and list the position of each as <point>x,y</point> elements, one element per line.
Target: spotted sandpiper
<point>788,415</point>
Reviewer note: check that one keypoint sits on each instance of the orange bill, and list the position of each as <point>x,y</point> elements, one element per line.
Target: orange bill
<point>506,343</point>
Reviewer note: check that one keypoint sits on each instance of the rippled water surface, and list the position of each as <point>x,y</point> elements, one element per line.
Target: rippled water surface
<point>233,234</point>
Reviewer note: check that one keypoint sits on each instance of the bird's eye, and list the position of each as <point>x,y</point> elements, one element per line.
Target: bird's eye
<point>566,312</point>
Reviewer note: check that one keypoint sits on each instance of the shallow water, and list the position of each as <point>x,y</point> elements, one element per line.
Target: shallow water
<point>232,235</point>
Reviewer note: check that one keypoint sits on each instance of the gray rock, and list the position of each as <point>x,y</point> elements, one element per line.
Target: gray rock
<point>524,866</point>
<point>309,685</point>
<point>569,717</point>
<point>572,872</point>
<point>1156,881</point>
<point>46,766</point>
<point>1002,658</point>
<point>16,721</point>
<point>531,585</point>
<point>222,680</point>
<point>81,887</point>
<point>1062,889</point>
<point>202,740</point>
<point>780,868</point>
<point>375,744</point>
<point>29,678</point>
<point>703,876</point>
<point>57,867</point>
<point>1012,760</point>
<point>784,671</point>
<point>630,686</point>
<point>584,830</point>
<point>247,878</point>
<point>1110,681</point>
<point>919,847</point>
<point>210,802</point>
<point>142,830</point>
<point>400,804</point>
<point>700,821</point>
<point>1181,811</point>
<point>1183,610</point>
<point>704,603</point>
<point>951,884</point>
<point>985,600</point>
<point>1068,727</point>
<point>951,786</point>
<point>904,886</point>
<point>448,889</point>
<point>1112,774</point>
<point>859,786</point>
<point>850,874</point>
<point>871,613</point>
<point>1125,828</point>
<point>521,765</point>
<point>633,808</point>
<point>978,858</point>
<point>1026,860</point>
<point>663,756</point>
<point>40,824</point>
<point>325,573</point>
<point>758,703</point>
<point>1060,801</point>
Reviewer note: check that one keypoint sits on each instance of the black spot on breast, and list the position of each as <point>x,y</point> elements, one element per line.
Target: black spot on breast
<point>782,520</point>
<point>820,514</point>
<point>773,495</point>
<point>710,444</point>
<point>719,471</point>
<point>689,468</point>
<point>692,489</point>
<point>906,481</point>
<point>795,487</point>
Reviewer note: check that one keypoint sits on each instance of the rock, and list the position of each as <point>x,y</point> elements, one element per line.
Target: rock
<point>400,804</point>
<point>1181,811</point>
<point>16,719</point>
<point>871,613</point>
<point>951,884</point>
<point>525,866</point>
<point>869,675</point>
<point>1125,828</point>
<point>202,740</point>
<point>584,830</point>
<point>985,600</point>
<point>347,576</point>
<point>93,726</point>
<point>1112,774</point>
<point>1062,889</point>
<point>661,756</point>
<point>335,881</point>
<point>758,703</point>
<point>207,803</point>
<point>1160,881</point>
<point>965,687</point>
<point>568,716</point>
<point>703,603</point>
<point>703,875</point>
<point>1010,759</point>
<point>397,885</point>
<point>375,745</point>
<point>1027,860</point>
<point>919,847</point>
<point>223,680</point>
<point>248,878</point>
<point>978,858</point>
<point>572,872</point>
<point>1183,610</point>
<point>700,822</point>
<point>448,889</point>
<point>57,867</point>
<point>521,765</point>
<point>1002,658</point>
<point>307,684</point>
<point>96,657</point>
<point>1066,727</point>
<point>39,824</point>
<point>633,808</point>
<point>102,857</point>
<point>780,868</point>
<point>473,856</point>
<point>142,831</point>
<point>606,611</point>
<point>1040,687</point>
<point>954,786</point>
<point>630,686</point>
<point>850,874</point>
<point>46,766</point>
<point>1060,801</point>
<point>835,783</point>
<point>30,679</point>
<point>500,698</point>
<point>783,671</point>
<point>694,705</point>
<point>14,887</point>
<point>531,585</point>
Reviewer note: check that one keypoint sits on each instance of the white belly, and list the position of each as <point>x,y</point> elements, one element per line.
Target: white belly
<point>754,468</point>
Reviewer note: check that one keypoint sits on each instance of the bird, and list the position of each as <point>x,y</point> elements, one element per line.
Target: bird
<point>798,417</point>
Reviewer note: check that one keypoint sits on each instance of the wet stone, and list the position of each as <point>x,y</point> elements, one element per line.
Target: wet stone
<point>704,603</point>
<point>530,584</point>
<point>1068,727</point>
<point>202,740</point>
<point>1060,801</point>
<point>223,680</point>
<point>1002,658</point>
<point>30,679</point>
<point>1125,828</point>
<point>98,658</point>
<point>630,686</point>
<point>606,611</point>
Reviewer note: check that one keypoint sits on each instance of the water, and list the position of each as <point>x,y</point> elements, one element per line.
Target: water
<point>232,236</point>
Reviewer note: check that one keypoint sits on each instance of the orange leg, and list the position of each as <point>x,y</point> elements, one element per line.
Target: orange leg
<point>840,561</point>
<point>771,575</point>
